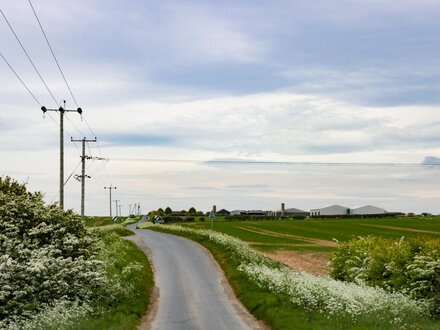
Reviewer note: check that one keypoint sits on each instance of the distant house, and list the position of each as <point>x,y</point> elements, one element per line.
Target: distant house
<point>223,212</point>
<point>330,210</point>
<point>291,212</point>
<point>367,209</point>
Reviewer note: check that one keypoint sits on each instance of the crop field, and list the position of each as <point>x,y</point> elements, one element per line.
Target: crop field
<point>308,244</point>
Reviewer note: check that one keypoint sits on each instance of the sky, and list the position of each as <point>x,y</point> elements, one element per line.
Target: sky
<point>171,87</point>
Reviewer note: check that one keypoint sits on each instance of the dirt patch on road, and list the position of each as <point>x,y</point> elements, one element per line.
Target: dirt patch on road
<point>313,241</point>
<point>311,263</point>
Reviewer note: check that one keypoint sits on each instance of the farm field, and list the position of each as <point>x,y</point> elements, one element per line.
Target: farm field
<point>307,245</point>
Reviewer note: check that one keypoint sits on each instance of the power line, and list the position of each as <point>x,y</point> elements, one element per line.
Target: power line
<point>18,77</point>
<point>75,127</point>
<point>32,94</point>
<point>34,97</point>
<point>53,54</point>
<point>90,129</point>
<point>74,170</point>
<point>29,58</point>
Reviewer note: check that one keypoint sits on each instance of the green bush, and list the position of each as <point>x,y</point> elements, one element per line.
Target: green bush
<point>176,219</point>
<point>47,257</point>
<point>410,266</point>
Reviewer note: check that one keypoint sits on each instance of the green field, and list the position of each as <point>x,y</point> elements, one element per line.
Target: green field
<point>277,309</point>
<point>319,235</point>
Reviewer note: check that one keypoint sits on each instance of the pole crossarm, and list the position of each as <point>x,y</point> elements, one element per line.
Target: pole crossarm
<point>61,109</point>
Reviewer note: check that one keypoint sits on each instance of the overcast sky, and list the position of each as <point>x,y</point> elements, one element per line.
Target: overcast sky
<point>287,81</point>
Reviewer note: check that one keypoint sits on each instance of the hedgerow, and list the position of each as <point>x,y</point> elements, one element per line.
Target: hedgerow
<point>47,260</point>
<point>410,266</point>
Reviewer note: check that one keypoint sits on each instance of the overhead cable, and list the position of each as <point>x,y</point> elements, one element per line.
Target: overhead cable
<point>28,57</point>
<point>21,80</point>
<point>53,54</point>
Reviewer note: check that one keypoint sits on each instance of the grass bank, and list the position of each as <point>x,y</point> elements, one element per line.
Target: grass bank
<point>276,309</point>
<point>132,276</point>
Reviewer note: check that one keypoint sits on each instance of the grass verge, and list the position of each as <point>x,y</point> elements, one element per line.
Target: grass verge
<point>132,274</point>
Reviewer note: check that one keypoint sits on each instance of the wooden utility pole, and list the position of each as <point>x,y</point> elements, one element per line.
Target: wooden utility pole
<point>110,189</point>
<point>116,202</point>
<point>83,175</point>
<point>61,110</point>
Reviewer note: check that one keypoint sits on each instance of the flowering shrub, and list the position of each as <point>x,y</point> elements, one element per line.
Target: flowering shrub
<point>61,314</point>
<point>47,258</point>
<point>335,299</point>
<point>410,266</point>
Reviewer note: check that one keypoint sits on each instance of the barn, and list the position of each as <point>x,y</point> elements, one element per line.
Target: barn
<point>367,209</point>
<point>330,210</point>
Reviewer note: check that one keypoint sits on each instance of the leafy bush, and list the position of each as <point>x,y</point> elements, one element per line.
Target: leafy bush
<point>46,257</point>
<point>174,219</point>
<point>409,266</point>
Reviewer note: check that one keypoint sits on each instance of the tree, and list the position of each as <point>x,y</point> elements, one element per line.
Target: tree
<point>168,210</point>
<point>160,211</point>
<point>192,210</point>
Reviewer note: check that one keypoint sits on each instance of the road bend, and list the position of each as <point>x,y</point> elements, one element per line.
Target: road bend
<point>191,294</point>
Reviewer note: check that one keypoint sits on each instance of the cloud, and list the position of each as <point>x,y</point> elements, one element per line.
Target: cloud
<point>201,188</point>
<point>138,139</point>
<point>431,160</point>
<point>247,186</point>
<point>280,81</point>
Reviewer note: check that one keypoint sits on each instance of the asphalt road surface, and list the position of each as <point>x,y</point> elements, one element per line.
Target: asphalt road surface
<point>191,292</point>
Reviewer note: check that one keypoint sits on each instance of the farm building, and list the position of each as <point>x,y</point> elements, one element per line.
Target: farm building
<point>291,212</point>
<point>223,212</point>
<point>367,209</point>
<point>330,210</point>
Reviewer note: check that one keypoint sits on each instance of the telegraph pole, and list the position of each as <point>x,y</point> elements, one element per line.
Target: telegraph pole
<point>61,110</point>
<point>110,189</point>
<point>120,214</point>
<point>83,175</point>
<point>116,202</point>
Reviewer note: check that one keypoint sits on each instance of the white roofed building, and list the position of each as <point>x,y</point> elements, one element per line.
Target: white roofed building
<point>330,210</point>
<point>367,209</point>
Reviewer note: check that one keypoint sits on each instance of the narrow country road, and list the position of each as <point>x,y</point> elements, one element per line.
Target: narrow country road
<point>191,292</point>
